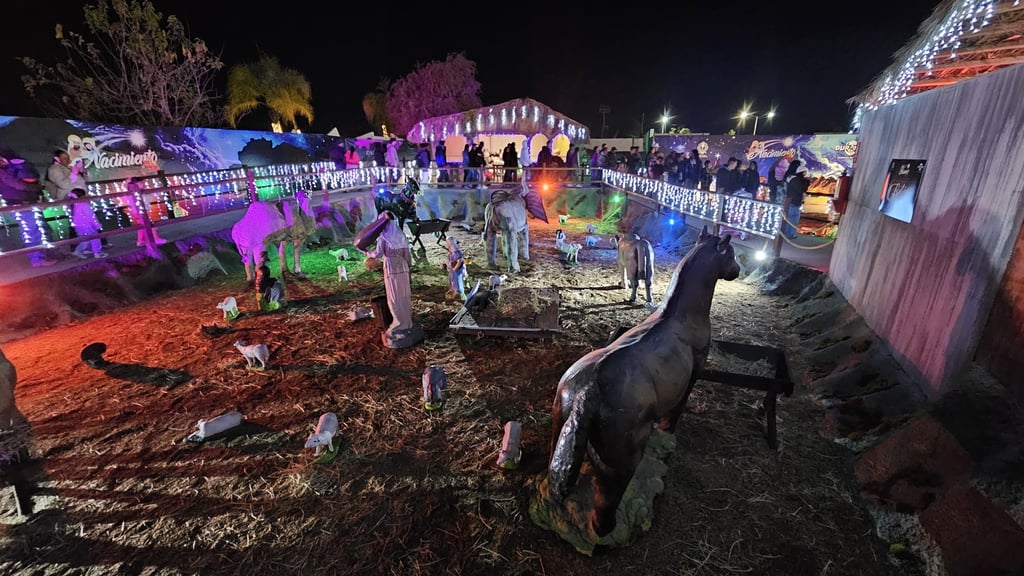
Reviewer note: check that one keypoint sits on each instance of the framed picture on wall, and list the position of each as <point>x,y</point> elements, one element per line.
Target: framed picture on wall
<point>902,184</point>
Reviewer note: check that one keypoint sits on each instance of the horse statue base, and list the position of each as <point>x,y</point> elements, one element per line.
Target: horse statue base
<point>571,519</point>
<point>403,338</point>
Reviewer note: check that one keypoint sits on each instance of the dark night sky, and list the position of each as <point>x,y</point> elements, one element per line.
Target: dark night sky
<point>701,61</point>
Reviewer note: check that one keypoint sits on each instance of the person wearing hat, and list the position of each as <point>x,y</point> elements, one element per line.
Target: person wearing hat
<point>19,185</point>
<point>796,187</point>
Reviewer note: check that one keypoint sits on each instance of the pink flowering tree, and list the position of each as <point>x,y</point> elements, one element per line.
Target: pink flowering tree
<point>433,89</point>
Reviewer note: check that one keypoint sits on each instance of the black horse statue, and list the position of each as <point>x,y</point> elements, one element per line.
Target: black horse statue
<point>401,204</point>
<point>608,402</point>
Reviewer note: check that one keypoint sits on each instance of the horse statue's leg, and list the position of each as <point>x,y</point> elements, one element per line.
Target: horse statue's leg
<point>526,242</point>
<point>297,257</point>
<point>634,283</point>
<point>492,248</point>
<point>512,250</point>
<point>622,450</point>
<point>282,261</point>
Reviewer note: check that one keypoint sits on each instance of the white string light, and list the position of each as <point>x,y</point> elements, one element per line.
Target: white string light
<point>968,16</point>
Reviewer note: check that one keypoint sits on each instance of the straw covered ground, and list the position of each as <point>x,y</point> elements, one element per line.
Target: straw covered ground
<point>116,491</point>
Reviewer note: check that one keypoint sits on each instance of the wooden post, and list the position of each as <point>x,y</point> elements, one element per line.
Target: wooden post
<point>718,218</point>
<point>777,245</point>
<point>250,181</point>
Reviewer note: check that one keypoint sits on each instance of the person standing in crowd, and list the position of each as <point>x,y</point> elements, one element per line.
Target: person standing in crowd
<point>672,168</point>
<point>777,179</point>
<point>477,160</point>
<point>86,224</point>
<point>510,159</point>
<point>691,171</point>
<point>423,162</point>
<point>393,146</point>
<point>379,154</point>
<point>62,176</point>
<point>796,188</point>
<point>467,174</point>
<point>572,161</point>
<point>351,158</point>
<point>726,179</point>
<point>441,159</point>
<point>19,186</point>
<point>634,161</point>
<point>706,174</point>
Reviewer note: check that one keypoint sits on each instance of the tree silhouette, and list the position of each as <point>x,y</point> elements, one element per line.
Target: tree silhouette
<point>433,89</point>
<point>134,66</point>
<point>375,107</point>
<point>284,92</point>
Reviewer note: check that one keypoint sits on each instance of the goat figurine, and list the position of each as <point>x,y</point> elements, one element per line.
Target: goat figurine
<point>326,429</point>
<point>254,353</point>
<point>230,308</point>
<point>215,426</point>
<point>435,381</point>
<point>340,254</point>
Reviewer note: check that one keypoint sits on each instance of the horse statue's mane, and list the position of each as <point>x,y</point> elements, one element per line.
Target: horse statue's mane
<point>673,295</point>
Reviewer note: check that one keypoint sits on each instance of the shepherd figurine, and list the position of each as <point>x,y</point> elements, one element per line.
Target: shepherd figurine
<point>510,453</point>
<point>435,381</point>
<point>456,268</point>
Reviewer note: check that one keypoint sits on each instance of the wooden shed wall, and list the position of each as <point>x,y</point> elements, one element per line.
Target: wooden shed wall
<point>927,287</point>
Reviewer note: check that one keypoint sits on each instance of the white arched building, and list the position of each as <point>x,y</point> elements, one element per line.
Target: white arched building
<point>524,121</point>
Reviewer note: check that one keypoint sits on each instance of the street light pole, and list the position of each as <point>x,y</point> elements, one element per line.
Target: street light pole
<point>754,133</point>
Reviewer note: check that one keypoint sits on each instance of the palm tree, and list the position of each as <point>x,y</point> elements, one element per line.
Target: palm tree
<point>284,92</point>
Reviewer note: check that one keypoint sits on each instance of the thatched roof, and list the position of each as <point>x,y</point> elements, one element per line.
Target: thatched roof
<point>521,116</point>
<point>961,39</point>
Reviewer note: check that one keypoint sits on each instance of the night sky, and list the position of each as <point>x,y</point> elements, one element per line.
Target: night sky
<point>700,60</point>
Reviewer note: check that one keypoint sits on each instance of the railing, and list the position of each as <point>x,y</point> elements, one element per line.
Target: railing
<point>735,212</point>
<point>141,204</point>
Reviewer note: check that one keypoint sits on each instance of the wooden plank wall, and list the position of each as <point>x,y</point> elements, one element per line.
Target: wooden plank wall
<point>927,287</point>
<point>1002,343</point>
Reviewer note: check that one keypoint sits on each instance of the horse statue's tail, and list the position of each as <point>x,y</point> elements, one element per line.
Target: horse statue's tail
<point>567,456</point>
<point>488,216</point>
<point>645,259</point>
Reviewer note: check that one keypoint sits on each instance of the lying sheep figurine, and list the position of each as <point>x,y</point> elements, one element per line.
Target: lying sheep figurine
<point>592,241</point>
<point>215,426</point>
<point>326,429</point>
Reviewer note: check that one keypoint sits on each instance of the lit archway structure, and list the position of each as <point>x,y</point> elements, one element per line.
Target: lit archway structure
<point>524,121</point>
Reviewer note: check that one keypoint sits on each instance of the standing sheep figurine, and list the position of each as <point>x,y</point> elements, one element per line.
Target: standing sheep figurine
<point>326,429</point>
<point>435,381</point>
<point>510,453</point>
<point>254,353</point>
<point>230,308</point>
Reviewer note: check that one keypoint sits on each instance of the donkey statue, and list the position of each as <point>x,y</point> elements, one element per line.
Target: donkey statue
<point>636,264</point>
<point>505,214</point>
<point>608,402</point>
<point>268,223</point>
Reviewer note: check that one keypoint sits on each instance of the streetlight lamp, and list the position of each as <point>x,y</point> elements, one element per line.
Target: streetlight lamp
<point>744,114</point>
<point>664,120</point>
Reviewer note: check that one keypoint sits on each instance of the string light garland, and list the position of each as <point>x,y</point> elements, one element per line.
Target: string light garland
<point>761,218</point>
<point>966,17</point>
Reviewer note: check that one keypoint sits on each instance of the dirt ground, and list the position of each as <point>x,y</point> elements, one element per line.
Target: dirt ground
<point>116,491</point>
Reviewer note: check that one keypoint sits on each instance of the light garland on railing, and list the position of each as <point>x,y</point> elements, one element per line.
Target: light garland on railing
<point>744,214</point>
<point>967,17</point>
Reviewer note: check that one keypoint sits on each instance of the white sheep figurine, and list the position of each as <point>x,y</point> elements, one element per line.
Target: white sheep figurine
<point>326,429</point>
<point>592,241</point>
<point>254,353</point>
<point>510,453</point>
<point>215,426</point>
<point>495,281</point>
<point>230,308</point>
<point>340,254</point>
<point>342,273</point>
<point>591,229</point>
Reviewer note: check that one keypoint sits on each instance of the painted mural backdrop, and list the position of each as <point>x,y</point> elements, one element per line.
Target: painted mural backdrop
<point>111,152</point>
<point>826,155</point>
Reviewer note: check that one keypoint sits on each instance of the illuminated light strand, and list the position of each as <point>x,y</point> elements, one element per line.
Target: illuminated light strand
<point>969,16</point>
<point>740,213</point>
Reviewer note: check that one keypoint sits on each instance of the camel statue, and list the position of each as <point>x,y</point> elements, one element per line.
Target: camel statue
<point>268,223</point>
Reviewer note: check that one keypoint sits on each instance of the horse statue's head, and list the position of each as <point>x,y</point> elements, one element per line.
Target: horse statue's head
<point>719,251</point>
